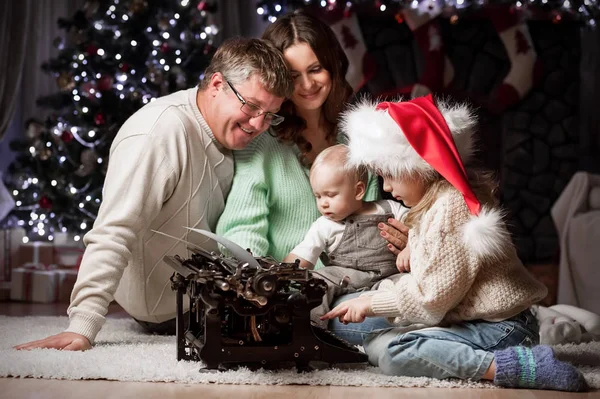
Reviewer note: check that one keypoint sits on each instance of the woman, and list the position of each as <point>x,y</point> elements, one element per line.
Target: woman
<point>271,205</point>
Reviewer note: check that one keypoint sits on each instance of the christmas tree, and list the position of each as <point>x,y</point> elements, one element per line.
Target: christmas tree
<point>118,56</point>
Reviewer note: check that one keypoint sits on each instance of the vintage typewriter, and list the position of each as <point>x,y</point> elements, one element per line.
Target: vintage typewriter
<point>247,311</point>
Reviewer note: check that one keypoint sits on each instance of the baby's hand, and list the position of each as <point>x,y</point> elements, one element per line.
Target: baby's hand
<point>403,261</point>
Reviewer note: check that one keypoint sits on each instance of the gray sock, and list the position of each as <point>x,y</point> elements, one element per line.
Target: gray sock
<point>536,368</point>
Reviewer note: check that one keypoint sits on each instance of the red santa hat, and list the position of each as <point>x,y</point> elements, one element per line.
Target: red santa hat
<point>420,137</point>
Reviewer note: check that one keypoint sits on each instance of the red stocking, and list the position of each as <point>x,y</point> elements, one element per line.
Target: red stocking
<point>525,68</point>
<point>361,66</point>
<point>424,24</point>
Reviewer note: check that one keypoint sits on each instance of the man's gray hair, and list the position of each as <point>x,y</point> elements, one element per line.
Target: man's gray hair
<point>238,59</point>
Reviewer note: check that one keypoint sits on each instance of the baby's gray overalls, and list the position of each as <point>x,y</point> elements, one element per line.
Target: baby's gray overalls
<point>361,255</point>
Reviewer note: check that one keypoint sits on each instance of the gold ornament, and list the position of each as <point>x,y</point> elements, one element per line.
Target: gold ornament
<point>44,153</point>
<point>88,160</point>
<point>164,24</point>
<point>137,6</point>
<point>65,81</point>
<point>34,130</point>
<point>155,75</point>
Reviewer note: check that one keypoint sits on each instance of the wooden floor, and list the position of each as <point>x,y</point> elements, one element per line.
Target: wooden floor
<point>25,388</point>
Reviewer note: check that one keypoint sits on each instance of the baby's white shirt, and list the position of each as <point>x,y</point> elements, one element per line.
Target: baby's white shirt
<point>325,234</point>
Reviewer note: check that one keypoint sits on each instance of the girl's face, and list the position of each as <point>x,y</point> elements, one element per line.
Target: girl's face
<point>408,190</point>
<point>312,82</point>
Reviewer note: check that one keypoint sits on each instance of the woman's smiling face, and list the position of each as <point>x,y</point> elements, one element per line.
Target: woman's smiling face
<point>312,82</point>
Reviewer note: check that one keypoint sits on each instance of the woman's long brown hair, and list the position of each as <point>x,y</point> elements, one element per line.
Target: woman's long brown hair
<point>297,28</point>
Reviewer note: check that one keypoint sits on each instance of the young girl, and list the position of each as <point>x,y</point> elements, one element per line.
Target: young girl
<point>467,285</point>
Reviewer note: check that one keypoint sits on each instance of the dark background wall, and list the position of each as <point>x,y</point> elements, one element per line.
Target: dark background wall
<point>534,147</point>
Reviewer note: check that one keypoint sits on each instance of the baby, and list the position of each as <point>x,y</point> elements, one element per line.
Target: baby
<point>346,237</point>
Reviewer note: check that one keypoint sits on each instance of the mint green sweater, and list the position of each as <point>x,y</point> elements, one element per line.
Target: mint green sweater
<point>271,205</point>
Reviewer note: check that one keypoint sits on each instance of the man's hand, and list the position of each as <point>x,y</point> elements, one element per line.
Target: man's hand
<point>67,341</point>
<point>403,261</point>
<point>351,311</point>
<point>396,233</point>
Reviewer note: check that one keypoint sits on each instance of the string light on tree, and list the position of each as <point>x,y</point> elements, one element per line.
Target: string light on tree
<point>122,55</point>
<point>585,11</point>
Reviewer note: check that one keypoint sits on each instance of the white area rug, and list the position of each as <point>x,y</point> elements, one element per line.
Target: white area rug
<point>124,353</point>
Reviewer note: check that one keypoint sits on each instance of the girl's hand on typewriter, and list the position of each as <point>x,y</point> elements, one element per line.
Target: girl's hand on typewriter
<point>351,311</point>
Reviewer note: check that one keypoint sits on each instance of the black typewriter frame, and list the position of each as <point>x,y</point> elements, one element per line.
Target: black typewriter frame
<point>202,338</point>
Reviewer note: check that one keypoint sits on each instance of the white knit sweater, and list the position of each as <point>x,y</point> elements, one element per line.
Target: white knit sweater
<point>166,172</point>
<point>448,282</point>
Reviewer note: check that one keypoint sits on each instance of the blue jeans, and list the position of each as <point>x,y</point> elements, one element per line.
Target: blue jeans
<point>357,333</point>
<point>463,350</point>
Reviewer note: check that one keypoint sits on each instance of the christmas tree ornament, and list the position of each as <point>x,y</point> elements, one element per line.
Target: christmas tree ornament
<point>45,202</point>
<point>105,83</point>
<point>33,130</point>
<point>44,153</point>
<point>89,160</point>
<point>92,49</point>
<point>99,119</point>
<point>155,75</point>
<point>89,90</point>
<point>137,6</point>
<point>164,24</point>
<point>66,136</point>
<point>65,81</point>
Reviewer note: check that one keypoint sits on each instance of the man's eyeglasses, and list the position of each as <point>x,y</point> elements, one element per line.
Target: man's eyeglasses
<point>254,110</point>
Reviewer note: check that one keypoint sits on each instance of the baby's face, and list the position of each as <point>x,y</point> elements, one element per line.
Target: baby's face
<point>336,193</point>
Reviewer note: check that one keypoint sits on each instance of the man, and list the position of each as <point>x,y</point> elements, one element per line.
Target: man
<point>170,167</point>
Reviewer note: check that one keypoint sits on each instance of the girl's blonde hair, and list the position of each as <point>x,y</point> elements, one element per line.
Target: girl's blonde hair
<point>483,184</point>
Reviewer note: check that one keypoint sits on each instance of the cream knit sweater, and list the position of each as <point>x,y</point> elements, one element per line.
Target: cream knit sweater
<point>166,172</point>
<point>447,282</point>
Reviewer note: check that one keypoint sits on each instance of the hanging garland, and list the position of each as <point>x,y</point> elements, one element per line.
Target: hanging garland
<point>585,11</point>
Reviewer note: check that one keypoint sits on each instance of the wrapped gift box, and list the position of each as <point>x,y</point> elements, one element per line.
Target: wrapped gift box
<point>35,283</point>
<point>67,256</point>
<point>31,284</point>
<point>37,253</point>
<point>10,245</point>
<point>66,282</point>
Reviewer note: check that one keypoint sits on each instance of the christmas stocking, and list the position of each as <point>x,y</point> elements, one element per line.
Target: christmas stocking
<point>525,69</point>
<point>361,66</point>
<point>438,72</point>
